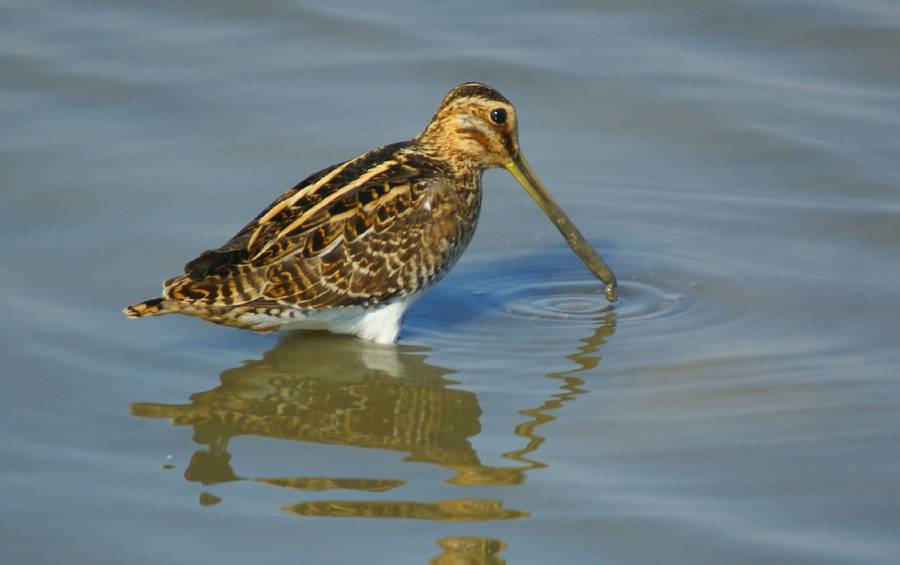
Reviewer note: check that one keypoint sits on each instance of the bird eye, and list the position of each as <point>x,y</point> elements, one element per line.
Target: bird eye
<point>498,115</point>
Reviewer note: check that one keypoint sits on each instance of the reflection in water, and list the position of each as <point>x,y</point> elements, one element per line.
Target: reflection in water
<point>470,551</point>
<point>209,499</point>
<point>570,387</point>
<point>459,510</point>
<point>326,389</point>
<point>334,390</point>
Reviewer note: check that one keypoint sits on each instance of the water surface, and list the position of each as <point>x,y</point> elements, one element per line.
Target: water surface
<point>735,163</point>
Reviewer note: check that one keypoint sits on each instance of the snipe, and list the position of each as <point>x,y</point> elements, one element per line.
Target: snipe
<point>351,247</point>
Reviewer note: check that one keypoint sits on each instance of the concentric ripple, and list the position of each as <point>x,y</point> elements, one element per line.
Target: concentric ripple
<point>551,300</point>
<point>552,295</point>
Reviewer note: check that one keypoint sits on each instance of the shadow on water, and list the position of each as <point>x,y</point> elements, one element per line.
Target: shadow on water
<point>333,390</point>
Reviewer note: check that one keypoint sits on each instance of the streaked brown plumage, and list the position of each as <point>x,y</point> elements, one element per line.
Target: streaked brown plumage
<point>359,236</point>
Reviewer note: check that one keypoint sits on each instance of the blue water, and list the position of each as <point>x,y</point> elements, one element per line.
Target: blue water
<point>735,163</point>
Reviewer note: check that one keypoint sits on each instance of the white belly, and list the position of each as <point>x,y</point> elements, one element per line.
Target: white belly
<point>380,324</point>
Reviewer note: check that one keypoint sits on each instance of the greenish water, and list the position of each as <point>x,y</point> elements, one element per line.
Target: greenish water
<point>737,164</point>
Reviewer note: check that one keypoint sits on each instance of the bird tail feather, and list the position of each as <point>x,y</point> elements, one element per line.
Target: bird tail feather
<point>153,307</point>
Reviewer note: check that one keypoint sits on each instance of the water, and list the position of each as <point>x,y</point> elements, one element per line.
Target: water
<point>735,163</point>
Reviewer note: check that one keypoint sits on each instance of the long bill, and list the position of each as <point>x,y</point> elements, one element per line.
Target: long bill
<point>521,170</point>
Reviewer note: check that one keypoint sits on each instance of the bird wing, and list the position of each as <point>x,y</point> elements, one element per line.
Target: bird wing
<point>351,234</point>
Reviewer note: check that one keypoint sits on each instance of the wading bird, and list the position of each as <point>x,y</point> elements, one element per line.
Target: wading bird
<point>351,247</point>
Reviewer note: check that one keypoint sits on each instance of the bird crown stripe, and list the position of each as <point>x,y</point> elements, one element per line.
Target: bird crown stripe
<point>475,90</point>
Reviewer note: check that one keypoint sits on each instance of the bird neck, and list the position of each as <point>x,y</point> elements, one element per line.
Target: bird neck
<point>458,159</point>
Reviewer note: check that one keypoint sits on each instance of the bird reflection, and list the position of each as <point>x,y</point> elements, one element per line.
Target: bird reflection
<point>333,390</point>
<point>470,550</point>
